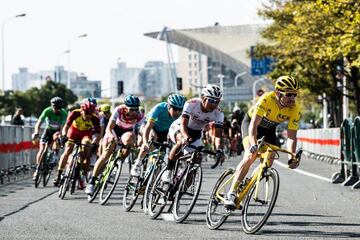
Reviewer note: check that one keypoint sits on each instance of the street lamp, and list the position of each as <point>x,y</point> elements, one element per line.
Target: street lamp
<point>237,76</point>
<point>3,46</point>
<point>69,52</point>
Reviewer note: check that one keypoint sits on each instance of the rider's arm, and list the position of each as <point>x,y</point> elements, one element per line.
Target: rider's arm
<point>149,125</point>
<point>218,135</point>
<point>254,123</point>
<point>291,141</point>
<point>184,121</point>
<point>71,117</point>
<point>37,126</point>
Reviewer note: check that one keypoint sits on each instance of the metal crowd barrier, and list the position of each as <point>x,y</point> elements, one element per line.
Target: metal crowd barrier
<point>17,152</point>
<point>350,154</point>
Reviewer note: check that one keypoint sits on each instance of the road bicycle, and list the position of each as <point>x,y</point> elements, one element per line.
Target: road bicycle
<point>136,186</point>
<point>184,188</point>
<point>256,196</point>
<point>72,172</point>
<point>110,176</point>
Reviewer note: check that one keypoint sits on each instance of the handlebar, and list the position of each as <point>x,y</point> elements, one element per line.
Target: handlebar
<point>203,150</point>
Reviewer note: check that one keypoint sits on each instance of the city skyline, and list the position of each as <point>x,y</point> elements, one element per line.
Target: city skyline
<point>114,30</point>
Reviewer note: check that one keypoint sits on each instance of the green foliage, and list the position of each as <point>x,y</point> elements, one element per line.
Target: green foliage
<point>309,39</point>
<point>34,100</point>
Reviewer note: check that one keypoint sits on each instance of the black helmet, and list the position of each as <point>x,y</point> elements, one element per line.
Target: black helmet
<point>56,102</point>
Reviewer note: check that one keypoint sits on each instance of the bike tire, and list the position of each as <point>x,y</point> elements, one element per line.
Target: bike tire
<point>112,177</point>
<point>215,219</point>
<point>65,181</point>
<point>38,175</point>
<point>97,187</point>
<point>156,193</point>
<point>46,171</point>
<point>131,192</point>
<point>184,198</point>
<point>270,178</point>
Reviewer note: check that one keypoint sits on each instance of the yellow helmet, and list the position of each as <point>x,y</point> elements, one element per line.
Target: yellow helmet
<point>105,108</point>
<point>287,84</point>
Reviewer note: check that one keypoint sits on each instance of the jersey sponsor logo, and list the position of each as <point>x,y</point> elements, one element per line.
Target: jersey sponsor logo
<point>282,117</point>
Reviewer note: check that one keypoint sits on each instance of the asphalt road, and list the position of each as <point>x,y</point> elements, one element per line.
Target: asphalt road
<point>307,207</point>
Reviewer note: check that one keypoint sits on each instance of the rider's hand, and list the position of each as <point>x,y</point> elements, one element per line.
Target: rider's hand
<point>145,147</point>
<point>63,140</point>
<point>187,141</point>
<point>254,148</point>
<point>293,163</point>
<point>34,136</point>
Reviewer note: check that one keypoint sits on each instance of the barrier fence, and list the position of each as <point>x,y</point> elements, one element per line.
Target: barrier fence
<point>350,154</point>
<point>17,152</point>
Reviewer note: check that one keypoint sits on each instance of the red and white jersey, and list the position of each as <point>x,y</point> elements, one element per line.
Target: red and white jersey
<point>199,119</point>
<point>119,117</point>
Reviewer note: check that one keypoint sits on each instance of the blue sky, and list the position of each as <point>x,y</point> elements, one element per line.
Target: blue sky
<point>115,29</point>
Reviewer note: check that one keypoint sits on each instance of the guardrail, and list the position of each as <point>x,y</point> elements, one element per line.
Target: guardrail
<point>350,154</point>
<point>17,152</point>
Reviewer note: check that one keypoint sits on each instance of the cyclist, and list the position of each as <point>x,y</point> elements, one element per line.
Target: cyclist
<point>157,125</point>
<point>261,120</point>
<point>79,127</point>
<point>120,129</point>
<point>104,115</point>
<point>197,113</point>
<point>55,117</point>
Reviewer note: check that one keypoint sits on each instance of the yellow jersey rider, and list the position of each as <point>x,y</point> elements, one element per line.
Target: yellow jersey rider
<point>261,120</point>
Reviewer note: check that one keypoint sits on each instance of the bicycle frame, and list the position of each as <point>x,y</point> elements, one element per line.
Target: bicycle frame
<point>265,153</point>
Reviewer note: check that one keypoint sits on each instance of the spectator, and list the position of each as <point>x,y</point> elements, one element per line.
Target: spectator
<point>17,118</point>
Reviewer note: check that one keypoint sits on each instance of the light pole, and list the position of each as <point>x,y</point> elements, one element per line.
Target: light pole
<point>237,76</point>
<point>69,52</point>
<point>3,46</point>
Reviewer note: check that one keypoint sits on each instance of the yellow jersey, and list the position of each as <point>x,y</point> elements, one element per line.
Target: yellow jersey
<point>272,115</point>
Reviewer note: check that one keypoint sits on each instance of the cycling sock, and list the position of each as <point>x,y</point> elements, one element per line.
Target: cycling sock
<point>93,180</point>
<point>170,165</point>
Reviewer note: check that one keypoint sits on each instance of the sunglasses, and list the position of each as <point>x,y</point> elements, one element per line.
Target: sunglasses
<point>133,109</point>
<point>213,101</point>
<point>289,95</point>
<point>176,109</point>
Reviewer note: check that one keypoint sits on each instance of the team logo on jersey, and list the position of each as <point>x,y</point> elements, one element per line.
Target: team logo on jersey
<point>282,117</point>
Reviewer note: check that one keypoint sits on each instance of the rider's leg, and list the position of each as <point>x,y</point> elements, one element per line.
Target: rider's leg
<point>128,139</point>
<point>63,160</point>
<point>108,149</point>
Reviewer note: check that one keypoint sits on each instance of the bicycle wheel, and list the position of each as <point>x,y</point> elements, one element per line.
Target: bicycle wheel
<point>110,181</point>
<point>150,182</point>
<point>131,192</point>
<point>39,175</point>
<point>216,213</point>
<point>158,196</point>
<point>188,192</point>
<point>258,209</point>
<point>46,170</point>
<point>66,179</point>
<point>97,187</point>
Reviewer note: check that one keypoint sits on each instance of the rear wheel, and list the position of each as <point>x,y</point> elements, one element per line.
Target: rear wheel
<point>188,192</point>
<point>131,192</point>
<point>158,196</point>
<point>216,213</point>
<point>110,181</point>
<point>257,208</point>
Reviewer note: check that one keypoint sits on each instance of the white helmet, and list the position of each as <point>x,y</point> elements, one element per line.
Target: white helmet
<point>236,108</point>
<point>211,91</point>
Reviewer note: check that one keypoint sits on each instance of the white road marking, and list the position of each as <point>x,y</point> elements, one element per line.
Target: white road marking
<point>167,216</point>
<point>303,172</point>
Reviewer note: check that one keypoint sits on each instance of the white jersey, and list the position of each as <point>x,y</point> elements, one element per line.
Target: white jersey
<point>199,119</point>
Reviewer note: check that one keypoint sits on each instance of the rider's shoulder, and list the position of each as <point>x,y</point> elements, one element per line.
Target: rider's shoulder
<point>193,101</point>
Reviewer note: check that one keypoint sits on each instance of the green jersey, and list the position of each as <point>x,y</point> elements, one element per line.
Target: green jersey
<point>53,121</point>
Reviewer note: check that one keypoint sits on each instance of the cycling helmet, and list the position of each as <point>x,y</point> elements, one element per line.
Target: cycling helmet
<point>176,100</point>
<point>92,100</point>
<point>211,91</point>
<point>105,108</point>
<point>287,84</point>
<point>56,102</point>
<point>236,109</point>
<point>132,101</point>
<point>88,106</point>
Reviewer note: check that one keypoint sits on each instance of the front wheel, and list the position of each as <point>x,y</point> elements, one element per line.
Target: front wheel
<point>131,193</point>
<point>187,194</point>
<point>158,196</point>
<point>216,213</point>
<point>260,202</point>
<point>97,186</point>
<point>110,182</point>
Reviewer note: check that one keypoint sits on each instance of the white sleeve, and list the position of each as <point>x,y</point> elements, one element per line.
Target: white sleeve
<point>219,120</point>
<point>188,107</point>
<point>114,115</point>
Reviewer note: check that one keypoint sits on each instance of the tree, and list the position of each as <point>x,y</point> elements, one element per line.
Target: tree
<point>34,100</point>
<point>311,40</point>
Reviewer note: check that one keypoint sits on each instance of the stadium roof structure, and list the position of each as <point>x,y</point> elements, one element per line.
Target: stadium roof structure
<point>227,45</point>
